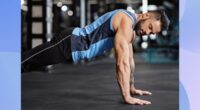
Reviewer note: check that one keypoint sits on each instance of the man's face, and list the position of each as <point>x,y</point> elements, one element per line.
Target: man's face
<point>147,27</point>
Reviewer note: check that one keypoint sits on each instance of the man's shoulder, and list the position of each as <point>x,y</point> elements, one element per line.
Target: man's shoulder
<point>123,17</point>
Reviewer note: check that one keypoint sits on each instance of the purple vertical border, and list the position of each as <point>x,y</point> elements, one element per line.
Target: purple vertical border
<point>189,54</point>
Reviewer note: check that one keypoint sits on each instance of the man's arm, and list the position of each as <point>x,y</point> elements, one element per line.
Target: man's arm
<point>122,67</point>
<point>123,71</point>
<point>121,45</point>
<point>133,90</point>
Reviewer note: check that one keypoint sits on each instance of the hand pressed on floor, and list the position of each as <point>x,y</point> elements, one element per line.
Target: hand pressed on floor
<point>136,101</point>
<point>139,92</point>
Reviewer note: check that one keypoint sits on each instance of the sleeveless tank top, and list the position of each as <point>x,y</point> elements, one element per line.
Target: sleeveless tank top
<point>96,38</point>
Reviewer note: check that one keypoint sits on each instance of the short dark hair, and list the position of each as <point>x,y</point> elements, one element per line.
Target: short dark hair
<point>164,19</point>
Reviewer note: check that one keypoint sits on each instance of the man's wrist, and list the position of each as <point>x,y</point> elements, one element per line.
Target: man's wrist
<point>126,97</point>
<point>132,83</point>
<point>126,94</point>
<point>132,88</point>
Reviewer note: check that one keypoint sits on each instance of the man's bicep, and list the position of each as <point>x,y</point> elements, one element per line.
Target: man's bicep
<point>121,43</point>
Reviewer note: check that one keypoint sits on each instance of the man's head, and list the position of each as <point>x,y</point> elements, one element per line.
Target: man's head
<point>152,23</point>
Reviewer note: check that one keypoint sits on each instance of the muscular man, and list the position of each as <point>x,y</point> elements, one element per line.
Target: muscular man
<point>116,29</point>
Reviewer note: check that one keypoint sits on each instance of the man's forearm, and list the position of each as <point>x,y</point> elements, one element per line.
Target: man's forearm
<point>123,69</point>
<point>132,66</point>
<point>132,81</point>
<point>123,78</point>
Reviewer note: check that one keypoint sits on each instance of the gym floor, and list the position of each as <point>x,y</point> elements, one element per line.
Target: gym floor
<point>93,86</point>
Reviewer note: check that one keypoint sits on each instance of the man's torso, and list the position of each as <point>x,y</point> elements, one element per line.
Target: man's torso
<point>97,38</point>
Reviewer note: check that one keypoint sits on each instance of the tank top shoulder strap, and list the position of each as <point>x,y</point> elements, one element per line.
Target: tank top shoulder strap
<point>132,15</point>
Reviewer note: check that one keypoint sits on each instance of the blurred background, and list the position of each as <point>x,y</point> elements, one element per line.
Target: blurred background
<point>42,19</point>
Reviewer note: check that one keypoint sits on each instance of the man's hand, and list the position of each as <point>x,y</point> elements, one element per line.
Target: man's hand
<point>139,92</point>
<point>131,100</point>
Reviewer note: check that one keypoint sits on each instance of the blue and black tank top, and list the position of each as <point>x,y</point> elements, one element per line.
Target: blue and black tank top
<point>96,38</point>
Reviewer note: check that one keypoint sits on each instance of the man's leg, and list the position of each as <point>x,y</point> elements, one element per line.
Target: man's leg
<point>58,50</point>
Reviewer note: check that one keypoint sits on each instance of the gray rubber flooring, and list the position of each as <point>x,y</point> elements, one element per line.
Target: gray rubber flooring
<point>93,87</point>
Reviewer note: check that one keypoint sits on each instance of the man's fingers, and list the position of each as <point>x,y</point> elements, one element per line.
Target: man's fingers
<point>146,102</point>
<point>140,92</point>
<point>143,102</point>
<point>137,101</point>
<point>147,92</point>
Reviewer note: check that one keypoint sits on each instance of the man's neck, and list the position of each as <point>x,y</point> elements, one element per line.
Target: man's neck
<point>138,16</point>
